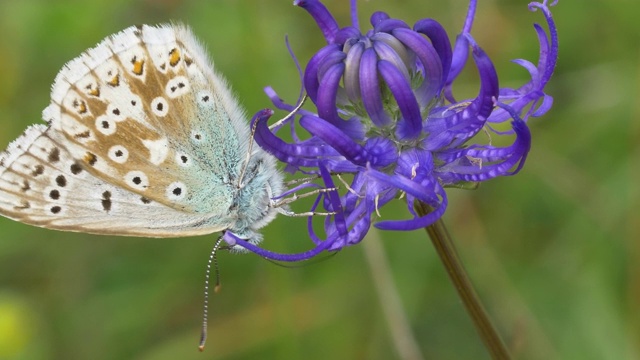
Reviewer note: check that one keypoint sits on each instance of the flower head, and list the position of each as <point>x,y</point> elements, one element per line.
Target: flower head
<point>386,115</point>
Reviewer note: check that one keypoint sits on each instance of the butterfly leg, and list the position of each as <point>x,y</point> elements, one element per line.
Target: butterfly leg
<point>281,205</point>
<point>290,213</point>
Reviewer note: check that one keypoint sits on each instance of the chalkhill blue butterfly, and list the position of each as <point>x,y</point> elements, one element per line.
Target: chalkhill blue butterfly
<point>143,138</point>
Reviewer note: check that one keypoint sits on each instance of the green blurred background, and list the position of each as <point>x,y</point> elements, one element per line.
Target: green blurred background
<point>553,252</point>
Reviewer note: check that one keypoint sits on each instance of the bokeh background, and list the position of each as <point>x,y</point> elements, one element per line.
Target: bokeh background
<point>553,252</point>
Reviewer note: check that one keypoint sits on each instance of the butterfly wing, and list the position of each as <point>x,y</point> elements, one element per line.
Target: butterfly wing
<point>43,185</point>
<point>143,139</point>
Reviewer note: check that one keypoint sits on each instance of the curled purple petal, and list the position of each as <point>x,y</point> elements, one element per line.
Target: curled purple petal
<point>390,24</point>
<point>552,57</point>
<point>396,48</point>
<point>458,60</point>
<point>335,58</point>
<point>547,102</point>
<point>354,14</point>
<point>454,125</point>
<point>322,16</point>
<point>345,34</point>
<point>387,53</point>
<point>408,105</point>
<point>438,36</point>
<point>416,223</point>
<point>233,240</point>
<point>370,87</point>
<point>335,138</point>
<point>471,13</point>
<point>311,80</point>
<point>352,72</point>
<point>378,17</point>
<point>429,60</point>
<point>297,154</point>
<point>327,92</point>
<point>334,199</point>
<point>501,160</point>
<point>420,192</point>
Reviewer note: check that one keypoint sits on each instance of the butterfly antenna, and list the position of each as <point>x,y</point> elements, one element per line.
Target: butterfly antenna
<point>213,259</point>
<point>290,114</point>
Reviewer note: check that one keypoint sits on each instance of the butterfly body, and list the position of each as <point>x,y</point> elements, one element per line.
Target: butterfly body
<point>143,139</point>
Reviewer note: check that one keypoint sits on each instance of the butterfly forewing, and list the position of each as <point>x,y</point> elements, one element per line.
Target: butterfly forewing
<point>133,144</point>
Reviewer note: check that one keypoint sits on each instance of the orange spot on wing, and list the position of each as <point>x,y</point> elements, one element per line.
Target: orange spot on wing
<point>90,158</point>
<point>82,108</point>
<point>138,67</point>
<point>115,81</point>
<point>174,57</point>
<point>91,91</point>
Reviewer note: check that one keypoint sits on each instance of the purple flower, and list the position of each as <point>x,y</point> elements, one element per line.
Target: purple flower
<point>387,116</point>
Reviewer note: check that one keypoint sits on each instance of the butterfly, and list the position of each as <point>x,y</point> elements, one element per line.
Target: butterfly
<point>143,138</point>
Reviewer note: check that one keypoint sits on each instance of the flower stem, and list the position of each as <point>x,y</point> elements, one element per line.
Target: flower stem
<point>446,251</point>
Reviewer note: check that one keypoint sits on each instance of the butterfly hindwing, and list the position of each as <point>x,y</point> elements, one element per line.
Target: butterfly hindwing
<point>43,185</point>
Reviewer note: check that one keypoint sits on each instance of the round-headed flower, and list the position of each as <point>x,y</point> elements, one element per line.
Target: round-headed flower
<point>386,115</point>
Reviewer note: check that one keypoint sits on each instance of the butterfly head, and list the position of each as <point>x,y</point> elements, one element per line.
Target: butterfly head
<point>253,202</point>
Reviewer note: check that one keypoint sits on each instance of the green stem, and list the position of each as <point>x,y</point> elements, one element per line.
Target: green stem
<point>444,246</point>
